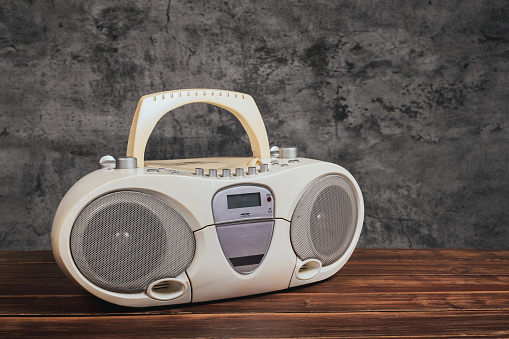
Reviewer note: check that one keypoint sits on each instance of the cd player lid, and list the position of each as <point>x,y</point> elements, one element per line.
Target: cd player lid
<point>206,163</point>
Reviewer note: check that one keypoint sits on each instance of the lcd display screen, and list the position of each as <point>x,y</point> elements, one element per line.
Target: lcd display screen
<point>243,200</point>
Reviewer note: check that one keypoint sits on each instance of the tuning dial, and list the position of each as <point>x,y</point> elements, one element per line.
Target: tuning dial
<point>126,163</point>
<point>199,172</point>
<point>251,170</point>
<point>239,172</point>
<point>288,152</point>
<point>227,173</point>
<point>264,168</point>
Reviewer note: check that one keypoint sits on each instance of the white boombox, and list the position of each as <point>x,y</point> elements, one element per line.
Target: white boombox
<point>147,233</point>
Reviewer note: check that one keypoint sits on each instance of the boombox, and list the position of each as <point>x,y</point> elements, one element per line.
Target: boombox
<point>161,232</point>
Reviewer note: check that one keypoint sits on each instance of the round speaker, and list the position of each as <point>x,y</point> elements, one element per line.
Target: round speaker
<point>125,240</point>
<point>324,222</point>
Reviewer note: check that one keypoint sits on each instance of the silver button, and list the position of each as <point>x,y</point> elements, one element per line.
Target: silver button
<point>251,170</point>
<point>152,170</point>
<point>264,168</point>
<point>227,173</point>
<point>293,161</point>
<point>199,172</point>
<point>213,173</point>
<point>239,172</point>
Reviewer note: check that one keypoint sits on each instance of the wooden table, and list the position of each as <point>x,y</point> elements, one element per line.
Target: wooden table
<point>396,293</point>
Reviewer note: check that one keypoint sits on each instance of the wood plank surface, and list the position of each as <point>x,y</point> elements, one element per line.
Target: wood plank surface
<point>379,293</point>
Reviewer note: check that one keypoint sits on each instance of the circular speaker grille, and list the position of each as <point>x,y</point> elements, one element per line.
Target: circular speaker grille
<point>125,240</point>
<point>325,219</point>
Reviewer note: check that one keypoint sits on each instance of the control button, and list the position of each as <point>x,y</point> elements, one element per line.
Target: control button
<point>264,168</point>
<point>274,152</point>
<point>107,162</point>
<point>173,172</point>
<point>284,165</point>
<point>293,161</point>
<point>213,173</point>
<point>152,170</point>
<point>227,173</point>
<point>239,172</point>
<point>288,152</point>
<point>251,170</point>
<point>199,172</point>
<point>126,163</point>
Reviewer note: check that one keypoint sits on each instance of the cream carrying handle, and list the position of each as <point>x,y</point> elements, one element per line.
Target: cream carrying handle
<point>153,107</point>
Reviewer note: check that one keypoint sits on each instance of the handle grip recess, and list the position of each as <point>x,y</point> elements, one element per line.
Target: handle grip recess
<point>153,107</point>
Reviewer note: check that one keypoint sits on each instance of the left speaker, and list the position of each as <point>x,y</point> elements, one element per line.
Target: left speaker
<point>125,240</point>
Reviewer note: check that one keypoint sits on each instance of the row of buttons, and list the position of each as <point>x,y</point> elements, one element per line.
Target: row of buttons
<point>227,173</point>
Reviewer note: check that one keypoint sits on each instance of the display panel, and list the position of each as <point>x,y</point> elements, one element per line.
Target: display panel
<point>243,200</point>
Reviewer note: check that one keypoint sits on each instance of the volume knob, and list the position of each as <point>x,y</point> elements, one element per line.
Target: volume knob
<point>288,152</point>
<point>126,163</point>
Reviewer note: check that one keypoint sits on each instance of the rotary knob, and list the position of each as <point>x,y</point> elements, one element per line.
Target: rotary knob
<point>251,170</point>
<point>212,173</point>
<point>264,168</point>
<point>288,152</point>
<point>239,172</point>
<point>126,163</point>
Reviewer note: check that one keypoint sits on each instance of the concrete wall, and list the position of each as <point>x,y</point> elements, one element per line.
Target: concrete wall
<point>410,96</point>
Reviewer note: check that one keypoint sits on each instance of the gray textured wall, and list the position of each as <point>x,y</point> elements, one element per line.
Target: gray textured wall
<point>410,96</point>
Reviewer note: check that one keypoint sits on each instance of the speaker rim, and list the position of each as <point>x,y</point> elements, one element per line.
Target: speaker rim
<point>164,199</point>
<point>358,224</point>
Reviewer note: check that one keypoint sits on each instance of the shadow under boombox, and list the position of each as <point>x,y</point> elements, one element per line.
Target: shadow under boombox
<point>146,233</point>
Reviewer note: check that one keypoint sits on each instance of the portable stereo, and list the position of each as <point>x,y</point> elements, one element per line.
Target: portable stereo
<point>146,233</point>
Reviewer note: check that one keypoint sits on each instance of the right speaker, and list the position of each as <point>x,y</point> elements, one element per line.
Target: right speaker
<point>324,222</point>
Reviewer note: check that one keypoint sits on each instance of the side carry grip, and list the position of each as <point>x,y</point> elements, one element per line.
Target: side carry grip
<point>153,107</point>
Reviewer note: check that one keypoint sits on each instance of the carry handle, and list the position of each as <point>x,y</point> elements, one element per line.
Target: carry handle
<point>153,107</point>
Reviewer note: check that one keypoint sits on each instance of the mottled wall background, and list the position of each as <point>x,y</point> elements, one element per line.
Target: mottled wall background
<point>410,96</point>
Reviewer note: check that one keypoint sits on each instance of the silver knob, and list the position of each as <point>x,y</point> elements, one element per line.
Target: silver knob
<point>127,163</point>
<point>239,172</point>
<point>227,173</point>
<point>107,162</point>
<point>213,173</point>
<point>274,152</point>
<point>199,172</point>
<point>288,152</point>
<point>264,168</point>
<point>251,170</point>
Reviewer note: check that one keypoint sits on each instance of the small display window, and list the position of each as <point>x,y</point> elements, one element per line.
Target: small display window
<point>243,200</point>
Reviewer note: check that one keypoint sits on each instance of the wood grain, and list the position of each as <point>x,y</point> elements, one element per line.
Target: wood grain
<point>379,293</point>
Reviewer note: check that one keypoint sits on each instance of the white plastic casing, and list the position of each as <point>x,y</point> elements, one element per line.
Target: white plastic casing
<point>210,276</point>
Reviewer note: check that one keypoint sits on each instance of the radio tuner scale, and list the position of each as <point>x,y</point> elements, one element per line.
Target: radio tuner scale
<point>160,232</point>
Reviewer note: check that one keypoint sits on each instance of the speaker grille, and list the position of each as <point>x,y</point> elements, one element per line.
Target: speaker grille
<point>324,221</point>
<point>125,240</point>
